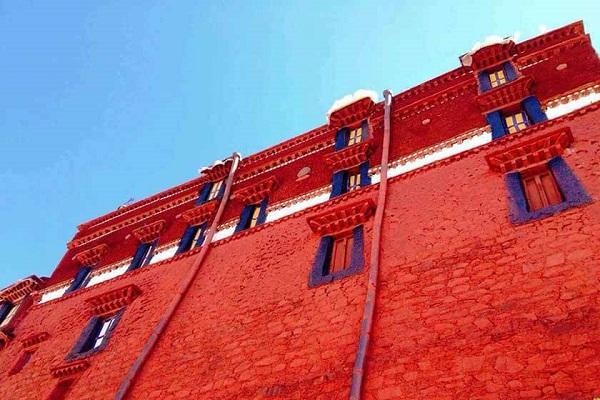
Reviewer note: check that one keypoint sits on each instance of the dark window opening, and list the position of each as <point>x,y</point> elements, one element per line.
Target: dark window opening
<point>95,336</point>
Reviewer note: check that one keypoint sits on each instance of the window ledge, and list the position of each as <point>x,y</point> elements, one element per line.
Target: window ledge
<point>200,213</point>
<point>69,369</point>
<point>506,94</point>
<point>109,302</point>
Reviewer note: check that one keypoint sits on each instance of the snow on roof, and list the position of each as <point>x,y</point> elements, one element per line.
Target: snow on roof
<point>351,98</point>
<point>488,41</point>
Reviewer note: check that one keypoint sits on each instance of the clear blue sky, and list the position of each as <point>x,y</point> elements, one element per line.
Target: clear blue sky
<point>107,100</point>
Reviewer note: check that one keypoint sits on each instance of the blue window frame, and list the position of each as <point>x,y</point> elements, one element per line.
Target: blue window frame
<point>345,181</point>
<point>193,236</point>
<point>95,335</point>
<point>5,308</point>
<point>80,280</point>
<point>143,255</point>
<point>253,215</point>
<point>337,257</point>
<point>210,191</point>
<point>523,207</point>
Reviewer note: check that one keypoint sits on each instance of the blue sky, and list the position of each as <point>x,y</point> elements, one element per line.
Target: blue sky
<point>107,100</point>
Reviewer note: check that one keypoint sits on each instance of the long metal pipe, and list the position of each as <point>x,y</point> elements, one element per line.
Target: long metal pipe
<point>358,371</point>
<point>181,292</point>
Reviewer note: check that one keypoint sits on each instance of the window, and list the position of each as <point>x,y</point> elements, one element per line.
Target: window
<point>96,335</point>
<point>7,310</point>
<point>143,255</point>
<point>61,390</point>
<point>497,78</point>
<point>353,181</point>
<point>254,216</point>
<point>516,122</point>
<point>341,252</point>
<point>105,326</point>
<point>338,256</point>
<point>80,279</point>
<point>540,188</point>
<point>543,190</point>
<point>21,362</point>
<point>192,237</point>
<point>355,136</point>
<point>214,190</point>
<point>197,235</point>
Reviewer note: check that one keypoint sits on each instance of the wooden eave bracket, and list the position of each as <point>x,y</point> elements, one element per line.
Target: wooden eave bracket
<point>341,218</point>
<point>352,113</point>
<point>506,94</point>
<point>350,156</point>
<point>20,289</point>
<point>530,152</point>
<point>489,56</point>
<point>130,221</point>
<point>34,339</point>
<point>148,233</point>
<point>91,256</point>
<point>200,213</point>
<point>109,302</point>
<point>256,192</point>
<point>218,171</point>
<point>69,369</point>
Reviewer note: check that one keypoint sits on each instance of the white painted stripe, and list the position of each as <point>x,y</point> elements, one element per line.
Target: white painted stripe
<point>560,109</point>
<point>164,254</point>
<point>105,275</point>
<point>54,294</point>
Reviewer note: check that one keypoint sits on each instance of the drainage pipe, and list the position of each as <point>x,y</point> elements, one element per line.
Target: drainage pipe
<point>358,371</point>
<point>181,292</point>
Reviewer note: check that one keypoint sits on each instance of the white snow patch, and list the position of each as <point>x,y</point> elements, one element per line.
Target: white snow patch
<point>352,98</point>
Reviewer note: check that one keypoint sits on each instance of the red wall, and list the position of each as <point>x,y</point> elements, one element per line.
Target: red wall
<point>469,306</point>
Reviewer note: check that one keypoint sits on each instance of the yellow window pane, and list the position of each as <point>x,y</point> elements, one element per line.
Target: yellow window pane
<point>254,219</point>
<point>500,74</point>
<point>519,117</point>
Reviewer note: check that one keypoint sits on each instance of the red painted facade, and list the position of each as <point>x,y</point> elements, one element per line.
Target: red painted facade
<point>469,305</point>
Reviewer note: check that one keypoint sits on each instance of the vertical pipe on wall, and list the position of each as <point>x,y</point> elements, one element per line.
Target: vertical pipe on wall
<point>358,370</point>
<point>181,291</point>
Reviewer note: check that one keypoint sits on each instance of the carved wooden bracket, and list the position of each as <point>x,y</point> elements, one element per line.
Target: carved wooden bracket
<point>91,256</point>
<point>35,339</point>
<point>530,152</point>
<point>5,337</point>
<point>130,221</point>
<point>489,56</point>
<point>506,94</point>
<point>69,369</point>
<point>20,289</point>
<point>255,193</point>
<point>148,233</point>
<point>350,156</point>
<point>218,171</point>
<point>341,218</point>
<point>201,213</point>
<point>352,113</point>
<point>109,302</point>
